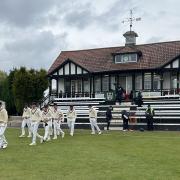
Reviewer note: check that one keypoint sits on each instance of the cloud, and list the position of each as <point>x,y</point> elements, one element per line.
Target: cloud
<point>33,50</point>
<point>85,15</point>
<point>22,13</point>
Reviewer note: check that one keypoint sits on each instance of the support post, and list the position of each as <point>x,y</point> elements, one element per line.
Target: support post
<point>143,81</point>
<point>177,91</point>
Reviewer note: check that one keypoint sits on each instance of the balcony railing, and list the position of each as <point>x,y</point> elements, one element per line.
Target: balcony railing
<point>150,93</point>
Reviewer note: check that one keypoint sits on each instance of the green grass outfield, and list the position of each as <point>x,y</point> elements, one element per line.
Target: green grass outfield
<point>113,155</point>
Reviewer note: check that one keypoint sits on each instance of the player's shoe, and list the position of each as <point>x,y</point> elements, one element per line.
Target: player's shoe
<point>29,136</point>
<point>41,140</point>
<point>63,134</point>
<point>4,146</point>
<point>22,136</point>
<point>55,137</point>
<point>32,144</point>
<point>71,134</point>
<point>93,133</point>
<point>48,139</point>
<point>99,132</point>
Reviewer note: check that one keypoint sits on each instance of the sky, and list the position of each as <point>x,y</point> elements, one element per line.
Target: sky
<point>34,32</point>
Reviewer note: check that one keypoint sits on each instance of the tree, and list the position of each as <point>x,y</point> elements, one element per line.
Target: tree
<point>28,86</point>
<point>3,77</point>
<point>6,91</point>
<point>11,102</point>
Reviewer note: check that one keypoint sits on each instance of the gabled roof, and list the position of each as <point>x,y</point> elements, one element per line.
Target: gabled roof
<point>153,56</point>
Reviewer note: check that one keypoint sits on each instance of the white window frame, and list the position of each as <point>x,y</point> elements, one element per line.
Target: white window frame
<point>122,58</point>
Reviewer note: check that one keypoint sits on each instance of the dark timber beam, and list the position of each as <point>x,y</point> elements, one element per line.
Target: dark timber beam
<point>143,81</point>
<point>82,85</point>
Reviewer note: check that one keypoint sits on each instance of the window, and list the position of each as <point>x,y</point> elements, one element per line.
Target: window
<point>122,81</point>
<point>54,84</point>
<point>174,81</point>
<point>125,58</point>
<point>147,81</point>
<point>79,85</point>
<point>113,81</point>
<point>73,86</point>
<point>86,85</point>
<point>128,83</point>
<point>97,82</point>
<point>67,85</point>
<point>138,82</point>
<point>105,83</point>
<point>156,82</point>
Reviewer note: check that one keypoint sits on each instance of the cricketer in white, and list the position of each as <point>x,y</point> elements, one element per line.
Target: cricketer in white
<point>35,117</point>
<point>26,121</point>
<point>3,126</point>
<point>58,118</point>
<point>71,118</point>
<point>93,120</point>
<point>47,118</point>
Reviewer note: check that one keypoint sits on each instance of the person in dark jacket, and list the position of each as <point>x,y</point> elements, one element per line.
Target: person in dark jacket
<point>149,118</point>
<point>139,99</point>
<point>119,94</point>
<point>125,117</point>
<point>109,116</point>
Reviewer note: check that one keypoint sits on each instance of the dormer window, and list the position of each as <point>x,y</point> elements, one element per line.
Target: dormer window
<point>126,58</point>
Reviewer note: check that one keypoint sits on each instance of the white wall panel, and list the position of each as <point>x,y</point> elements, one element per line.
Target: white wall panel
<point>73,68</point>
<point>168,66</point>
<point>61,71</point>
<point>79,70</point>
<point>66,69</point>
<point>176,63</point>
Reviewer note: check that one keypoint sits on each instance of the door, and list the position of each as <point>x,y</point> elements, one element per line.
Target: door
<point>126,83</point>
<point>122,82</point>
<point>76,86</point>
<point>73,86</point>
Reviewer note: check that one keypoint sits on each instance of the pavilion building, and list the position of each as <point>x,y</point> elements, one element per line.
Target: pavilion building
<point>151,68</point>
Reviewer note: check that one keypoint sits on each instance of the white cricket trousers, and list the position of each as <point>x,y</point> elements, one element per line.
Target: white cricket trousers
<point>3,140</point>
<point>24,122</point>
<point>47,130</point>
<point>51,127</point>
<point>57,127</point>
<point>71,123</point>
<point>94,125</point>
<point>34,129</point>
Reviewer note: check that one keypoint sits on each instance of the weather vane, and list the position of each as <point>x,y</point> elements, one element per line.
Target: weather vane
<point>131,19</point>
